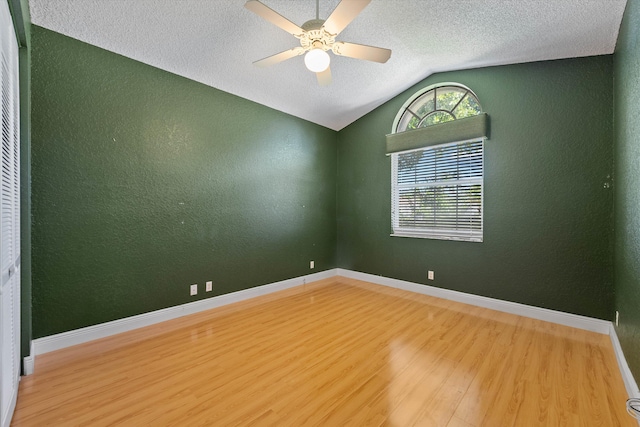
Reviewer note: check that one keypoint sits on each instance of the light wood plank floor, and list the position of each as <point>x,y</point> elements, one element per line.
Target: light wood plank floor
<point>333,353</point>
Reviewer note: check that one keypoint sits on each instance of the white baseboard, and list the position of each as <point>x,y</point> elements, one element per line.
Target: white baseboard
<point>559,317</point>
<point>90,333</point>
<point>629,382</point>
<point>28,363</point>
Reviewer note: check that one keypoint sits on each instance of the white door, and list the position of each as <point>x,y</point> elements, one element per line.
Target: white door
<point>9,218</point>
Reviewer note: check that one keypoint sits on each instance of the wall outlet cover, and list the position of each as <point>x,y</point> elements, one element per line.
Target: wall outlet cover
<point>209,286</point>
<point>194,289</point>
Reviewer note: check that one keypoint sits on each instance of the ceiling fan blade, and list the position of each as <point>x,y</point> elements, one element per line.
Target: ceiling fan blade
<point>324,77</point>
<point>360,51</point>
<point>274,17</point>
<point>279,57</point>
<point>343,14</point>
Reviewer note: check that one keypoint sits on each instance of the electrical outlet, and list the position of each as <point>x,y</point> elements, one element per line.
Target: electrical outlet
<point>430,275</point>
<point>209,286</point>
<point>194,289</point>
<point>312,264</point>
<point>617,317</point>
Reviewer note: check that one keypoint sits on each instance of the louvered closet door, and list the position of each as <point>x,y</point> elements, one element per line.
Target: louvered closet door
<point>9,218</point>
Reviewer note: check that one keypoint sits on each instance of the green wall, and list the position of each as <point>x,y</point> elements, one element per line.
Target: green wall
<point>145,182</point>
<point>627,193</point>
<point>547,216</point>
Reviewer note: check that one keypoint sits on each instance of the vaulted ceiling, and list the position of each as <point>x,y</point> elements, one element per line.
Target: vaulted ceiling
<point>215,42</point>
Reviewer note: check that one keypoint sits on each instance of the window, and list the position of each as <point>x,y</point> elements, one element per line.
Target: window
<point>437,165</point>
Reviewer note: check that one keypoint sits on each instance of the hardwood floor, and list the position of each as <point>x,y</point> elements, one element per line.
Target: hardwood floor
<point>333,353</point>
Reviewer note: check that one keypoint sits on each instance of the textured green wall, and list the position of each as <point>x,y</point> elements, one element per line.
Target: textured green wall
<point>627,193</point>
<point>547,216</point>
<point>145,182</point>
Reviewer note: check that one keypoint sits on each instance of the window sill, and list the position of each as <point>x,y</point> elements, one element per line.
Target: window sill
<point>476,239</point>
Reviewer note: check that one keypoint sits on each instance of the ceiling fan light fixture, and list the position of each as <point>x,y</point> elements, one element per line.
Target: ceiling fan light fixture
<point>317,36</point>
<point>317,60</point>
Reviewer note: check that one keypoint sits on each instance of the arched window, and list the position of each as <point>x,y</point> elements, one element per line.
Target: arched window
<point>437,158</point>
<point>438,104</point>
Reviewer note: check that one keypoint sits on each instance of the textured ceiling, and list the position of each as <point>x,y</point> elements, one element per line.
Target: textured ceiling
<point>215,42</point>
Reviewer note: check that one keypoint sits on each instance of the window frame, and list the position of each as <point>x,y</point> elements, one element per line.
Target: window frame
<point>466,235</point>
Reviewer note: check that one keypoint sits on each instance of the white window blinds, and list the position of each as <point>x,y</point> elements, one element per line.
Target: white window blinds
<point>437,191</point>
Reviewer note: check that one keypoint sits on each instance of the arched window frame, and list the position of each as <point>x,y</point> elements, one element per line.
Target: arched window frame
<point>438,203</point>
<point>407,106</point>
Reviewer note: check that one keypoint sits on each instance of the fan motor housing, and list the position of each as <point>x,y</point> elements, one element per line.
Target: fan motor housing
<point>316,37</point>
<point>313,24</point>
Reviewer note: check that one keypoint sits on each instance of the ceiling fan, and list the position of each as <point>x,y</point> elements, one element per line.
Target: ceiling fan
<point>317,36</point>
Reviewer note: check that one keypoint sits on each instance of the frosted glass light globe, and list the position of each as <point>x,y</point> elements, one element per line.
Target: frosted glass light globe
<point>317,60</point>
